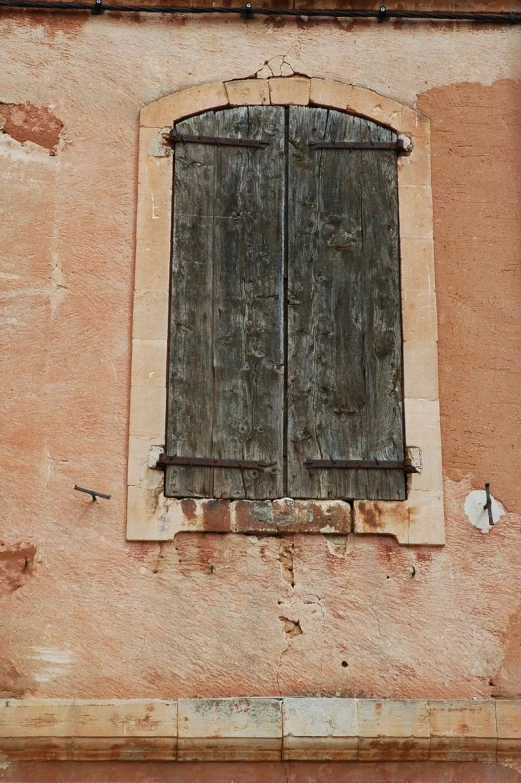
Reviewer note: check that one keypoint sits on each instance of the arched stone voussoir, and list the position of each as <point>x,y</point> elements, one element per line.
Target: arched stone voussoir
<point>182,104</point>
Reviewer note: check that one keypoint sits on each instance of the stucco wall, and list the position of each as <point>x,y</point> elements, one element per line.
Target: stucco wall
<point>88,614</point>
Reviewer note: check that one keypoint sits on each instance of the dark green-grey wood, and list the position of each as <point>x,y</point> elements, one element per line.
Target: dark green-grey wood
<point>344,323</point>
<point>226,377</point>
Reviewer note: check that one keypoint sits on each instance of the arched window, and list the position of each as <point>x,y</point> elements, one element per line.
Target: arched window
<point>284,330</point>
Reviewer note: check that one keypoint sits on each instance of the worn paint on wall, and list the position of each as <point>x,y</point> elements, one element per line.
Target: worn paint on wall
<point>96,616</point>
<point>267,772</point>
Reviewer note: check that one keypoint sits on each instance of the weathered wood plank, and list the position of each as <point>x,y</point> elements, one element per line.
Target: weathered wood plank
<point>189,410</point>
<point>226,387</point>
<point>344,355</point>
<point>248,290</point>
<point>383,360</point>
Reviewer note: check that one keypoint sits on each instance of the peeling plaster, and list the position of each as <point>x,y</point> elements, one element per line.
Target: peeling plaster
<point>27,122</point>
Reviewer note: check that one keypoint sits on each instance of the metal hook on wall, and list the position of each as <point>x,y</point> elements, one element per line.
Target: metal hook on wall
<point>92,493</point>
<point>488,505</point>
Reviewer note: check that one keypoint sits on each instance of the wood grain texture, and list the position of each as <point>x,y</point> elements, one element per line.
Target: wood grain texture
<point>344,332</point>
<point>189,409</point>
<point>226,383</point>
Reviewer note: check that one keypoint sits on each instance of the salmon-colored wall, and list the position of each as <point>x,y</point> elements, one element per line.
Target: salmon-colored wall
<point>259,772</point>
<point>90,615</point>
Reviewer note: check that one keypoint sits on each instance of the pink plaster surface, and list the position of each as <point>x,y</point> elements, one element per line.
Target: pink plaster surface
<point>95,616</point>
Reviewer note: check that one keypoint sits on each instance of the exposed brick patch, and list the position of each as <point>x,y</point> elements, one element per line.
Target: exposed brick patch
<point>216,516</point>
<point>14,685</point>
<point>16,565</point>
<point>26,122</point>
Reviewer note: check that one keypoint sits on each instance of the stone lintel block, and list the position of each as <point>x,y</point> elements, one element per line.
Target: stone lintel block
<point>430,478</point>
<point>139,474</point>
<point>289,91</point>
<point>420,369</point>
<point>463,718</point>
<point>155,161</point>
<point>152,256</point>
<point>384,517</point>
<point>292,516</point>
<point>143,522</point>
<point>463,749</point>
<point>415,125</point>
<point>393,718</point>
<point>422,422</point>
<point>332,95</point>
<point>124,749</point>
<point>365,103</point>
<point>248,92</point>
<point>229,749</point>
<point>152,517</point>
<point>419,314</point>
<point>508,750</point>
<point>174,107</point>
<point>240,718</point>
<point>130,718</point>
<point>418,520</point>
<point>150,320</point>
<point>417,268</point>
<point>318,717</point>
<point>426,518</point>
<point>393,749</point>
<point>508,715</point>
<point>35,748</point>
<point>36,718</point>
<point>147,411</point>
<point>415,208</point>
<point>320,748</point>
<point>253,516</point>
<point>214,516</point>
<point>414,169</point>
<point>149,362</point>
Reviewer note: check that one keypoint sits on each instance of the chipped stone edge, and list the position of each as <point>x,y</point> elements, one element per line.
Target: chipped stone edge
<point>260,729</point>
<point>150,516</point>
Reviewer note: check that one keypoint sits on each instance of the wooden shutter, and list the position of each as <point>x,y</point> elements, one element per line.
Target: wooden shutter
<point>344,326</point>
<point>226,363</point>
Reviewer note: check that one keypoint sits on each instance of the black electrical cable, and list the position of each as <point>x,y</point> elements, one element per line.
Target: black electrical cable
<point>248,11</point>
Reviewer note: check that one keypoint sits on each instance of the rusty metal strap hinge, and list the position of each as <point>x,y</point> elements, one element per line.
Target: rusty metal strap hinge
<point>397,146</point>
<point>361,464</point>
<point>218,141</point>
<point>211,462</point>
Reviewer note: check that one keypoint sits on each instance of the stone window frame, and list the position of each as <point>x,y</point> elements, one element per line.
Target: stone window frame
<point>150,516</point>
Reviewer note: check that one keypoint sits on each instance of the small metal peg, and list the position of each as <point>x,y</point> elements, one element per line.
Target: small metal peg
<point>248,11</point>
<point>92,493</point>
<point>488,505</point>
<point>382,13</point>
<point>97,8</point>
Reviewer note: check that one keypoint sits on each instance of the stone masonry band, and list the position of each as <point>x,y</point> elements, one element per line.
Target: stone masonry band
<point>260,729</point>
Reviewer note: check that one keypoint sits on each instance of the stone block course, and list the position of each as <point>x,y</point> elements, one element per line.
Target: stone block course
<point>292,91</point>
<point>261,729</point>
